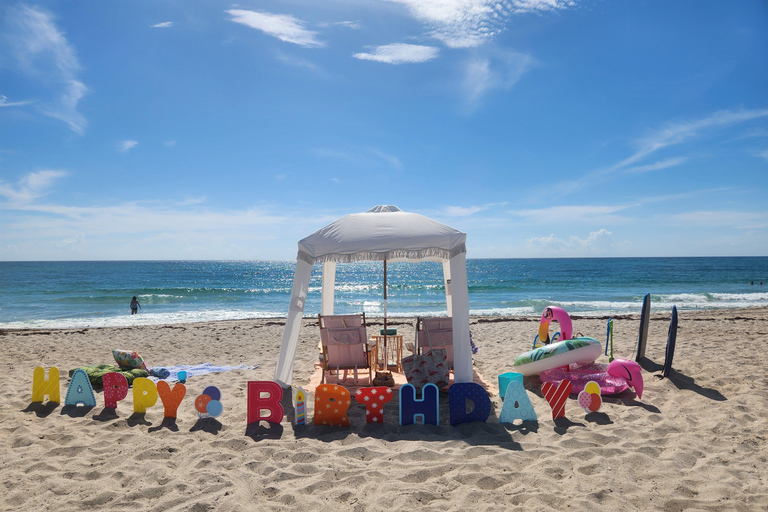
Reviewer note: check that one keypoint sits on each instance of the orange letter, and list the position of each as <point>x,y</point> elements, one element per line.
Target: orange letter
<point>331,404</point>
<point>170,398</point>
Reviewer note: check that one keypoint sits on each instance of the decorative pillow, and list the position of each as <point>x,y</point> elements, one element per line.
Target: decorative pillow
<point>128,358</point>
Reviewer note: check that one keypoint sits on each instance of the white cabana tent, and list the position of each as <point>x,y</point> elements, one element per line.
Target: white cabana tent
<point>383,233</point>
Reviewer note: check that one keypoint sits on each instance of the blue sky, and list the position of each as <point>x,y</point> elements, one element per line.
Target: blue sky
<point>543,128</point>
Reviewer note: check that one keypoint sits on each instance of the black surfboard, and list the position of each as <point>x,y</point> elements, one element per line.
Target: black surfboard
<point>670,343</point>
<point>642,335</point>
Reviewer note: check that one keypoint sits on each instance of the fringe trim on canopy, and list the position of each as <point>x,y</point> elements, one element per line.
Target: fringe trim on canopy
<point>428,254</point>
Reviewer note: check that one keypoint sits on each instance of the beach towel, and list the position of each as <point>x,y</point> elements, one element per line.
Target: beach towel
<point>196,370</point>
<point>97,372</point>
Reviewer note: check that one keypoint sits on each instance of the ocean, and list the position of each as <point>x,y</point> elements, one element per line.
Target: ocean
<point>98,293</point>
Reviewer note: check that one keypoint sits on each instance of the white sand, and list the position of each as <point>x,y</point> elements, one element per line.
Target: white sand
<point>696,441</point>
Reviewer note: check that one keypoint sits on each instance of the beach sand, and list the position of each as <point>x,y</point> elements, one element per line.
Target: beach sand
<point>696,441</point>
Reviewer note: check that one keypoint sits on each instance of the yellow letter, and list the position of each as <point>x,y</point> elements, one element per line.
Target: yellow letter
<point>42,386</point>
<point>144,394</point>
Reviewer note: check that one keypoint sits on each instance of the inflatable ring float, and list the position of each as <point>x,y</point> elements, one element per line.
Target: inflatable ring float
<point>562,353</point>
<point>581,374</point>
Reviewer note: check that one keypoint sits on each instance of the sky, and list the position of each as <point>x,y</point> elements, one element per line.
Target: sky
<point>199,129</point>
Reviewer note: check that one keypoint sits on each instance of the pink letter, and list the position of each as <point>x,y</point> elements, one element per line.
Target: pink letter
<point>115,389</point>
<point>270,402</point>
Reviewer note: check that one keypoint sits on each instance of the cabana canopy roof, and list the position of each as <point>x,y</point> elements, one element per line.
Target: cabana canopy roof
<point>382,233</point>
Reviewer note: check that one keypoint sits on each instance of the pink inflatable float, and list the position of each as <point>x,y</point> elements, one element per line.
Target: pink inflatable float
<point>612,378</point>
<point>561,317</point>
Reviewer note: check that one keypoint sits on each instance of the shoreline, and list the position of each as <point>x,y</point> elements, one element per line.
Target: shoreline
<point>397,320</point>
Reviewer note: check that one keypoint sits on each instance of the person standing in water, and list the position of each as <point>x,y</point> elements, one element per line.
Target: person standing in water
<point>135,305</point>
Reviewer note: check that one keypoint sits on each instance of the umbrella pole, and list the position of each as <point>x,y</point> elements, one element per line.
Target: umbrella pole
<point>386,361</point>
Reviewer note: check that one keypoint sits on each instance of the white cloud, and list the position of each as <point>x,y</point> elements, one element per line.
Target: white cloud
<point>365,157</point>
<point>559,214</point>
<point>460,211</point>
<point>400,53</point>
<point>349,24</point>
<point>763,155</point>
<point>597,240</point>
<point>165,24</point>
<point>282,26</point>
<point>662,164</point>
<point>298,62</point>
<point>133,217</point>
<point>31,186</point>
<point>683,195</point>
<point>71,241</point>
<point>465,211</point>
<point>720,219</point>
<point>671,135</point>
<point>4,102</point>
<point>154,230</point>
<point>501,70</point>
<point>127,145</point>
<point>43,53</point>
<point>470,23</point>
<point>390,159</point>
<point>169,143</point>
<point>677,133</point>
<point>147,229</point>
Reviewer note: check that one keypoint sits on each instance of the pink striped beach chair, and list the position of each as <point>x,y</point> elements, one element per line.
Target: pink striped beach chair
<point>344,343</point>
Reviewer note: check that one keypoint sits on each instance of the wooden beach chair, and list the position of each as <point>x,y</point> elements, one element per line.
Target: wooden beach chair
<point>344,343</point>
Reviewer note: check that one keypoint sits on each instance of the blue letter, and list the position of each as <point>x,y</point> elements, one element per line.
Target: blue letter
<point>457,396</point>
<point>80,391</point>
<point>428,407</point>
<point>517,405</point>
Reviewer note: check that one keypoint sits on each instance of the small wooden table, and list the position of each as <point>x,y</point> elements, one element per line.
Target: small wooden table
<point>394,349</point>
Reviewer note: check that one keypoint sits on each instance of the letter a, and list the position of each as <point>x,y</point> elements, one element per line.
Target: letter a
<point>80,391</point>
<point>42,386</point>
<point>517,405</point>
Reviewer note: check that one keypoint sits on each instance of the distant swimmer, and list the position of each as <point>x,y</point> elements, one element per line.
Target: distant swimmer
<point>135,305</point>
